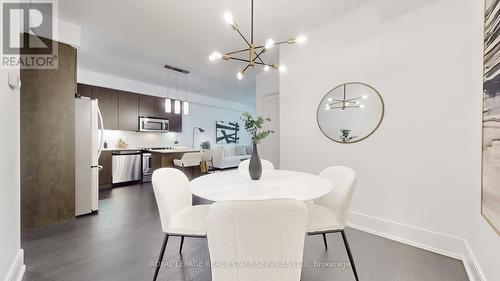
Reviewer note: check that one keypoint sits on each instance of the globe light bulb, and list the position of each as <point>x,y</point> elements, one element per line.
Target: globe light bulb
<point>301,39</point>
<point>239,75</point>
<point>362,106</point>
<point>330,99</point>
<point>269,44</point>
<point>228,18</point>
<point>215,56</point>
<point>364,97</point>
<point>282,68</point>
<point>266,68</point>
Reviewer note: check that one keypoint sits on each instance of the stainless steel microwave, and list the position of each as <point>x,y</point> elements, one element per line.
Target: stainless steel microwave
<point>149,124</point>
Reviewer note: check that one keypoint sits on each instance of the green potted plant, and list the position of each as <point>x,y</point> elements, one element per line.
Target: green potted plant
<point>205,145</point>
<point>254,127</point>
<point>345,135</point>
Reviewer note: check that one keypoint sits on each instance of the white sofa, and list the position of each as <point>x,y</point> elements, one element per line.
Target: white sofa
<point>230,156</point>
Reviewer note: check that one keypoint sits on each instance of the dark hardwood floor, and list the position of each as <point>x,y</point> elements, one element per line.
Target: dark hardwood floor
<point>123,240</point>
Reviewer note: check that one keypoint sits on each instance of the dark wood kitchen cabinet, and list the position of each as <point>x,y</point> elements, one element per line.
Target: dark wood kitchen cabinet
<point>121,109</point>
<point>146,106</point>
<point>106,173</point>
<point>84,90</point>
<point>160,108</point>
<point>128,111</point>
<point>175,123</point>
<point>108,104</point>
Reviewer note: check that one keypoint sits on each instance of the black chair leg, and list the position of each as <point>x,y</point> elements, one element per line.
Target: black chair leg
<point>160,259</point>
<point>182,243</point>
<point>351,260</point>
<point>324,240</point>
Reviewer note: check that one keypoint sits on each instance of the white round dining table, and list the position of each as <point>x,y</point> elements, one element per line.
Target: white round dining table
<point>275,184</point>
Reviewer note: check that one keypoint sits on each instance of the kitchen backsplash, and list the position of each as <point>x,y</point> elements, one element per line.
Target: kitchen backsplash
<point>140,139</point>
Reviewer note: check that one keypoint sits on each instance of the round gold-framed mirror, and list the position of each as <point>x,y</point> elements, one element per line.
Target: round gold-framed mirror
<point>350,112</point>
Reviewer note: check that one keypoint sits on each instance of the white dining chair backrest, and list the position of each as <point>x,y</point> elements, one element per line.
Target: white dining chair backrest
<point>251,232</point>
<point>191,159</point>
<point>339,200</point>
<point>266,166</point>
<point>171,192</point>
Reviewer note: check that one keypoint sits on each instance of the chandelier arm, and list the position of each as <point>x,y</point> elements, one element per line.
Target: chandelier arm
<point>258,55</point>
<point>358,98</point>
<point>238,59</point>
<point>264,64</point>
<point>345,107</point>
<point>245,69</point>
<point>334,103</point>
<point>246,41</point>
<point>282,42</point>
<point>237,52</point>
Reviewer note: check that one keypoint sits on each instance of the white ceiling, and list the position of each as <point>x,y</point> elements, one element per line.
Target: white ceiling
<point>133,39</point>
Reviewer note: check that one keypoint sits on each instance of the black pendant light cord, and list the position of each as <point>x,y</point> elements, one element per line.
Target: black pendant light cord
<point>251,35</point>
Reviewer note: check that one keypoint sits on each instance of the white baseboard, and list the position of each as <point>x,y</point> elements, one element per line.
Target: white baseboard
<point>471,265</point>
<point>17,268</point>
<point>421,238</point>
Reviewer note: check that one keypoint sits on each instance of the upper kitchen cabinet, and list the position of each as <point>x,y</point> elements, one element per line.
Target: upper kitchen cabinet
<point>108,104</point>
<point>146,106</point>
<point>175,123</point>
<point>160,111</point>
<point>128,111</point>
<point>84,90</point>
<point>174,120</point>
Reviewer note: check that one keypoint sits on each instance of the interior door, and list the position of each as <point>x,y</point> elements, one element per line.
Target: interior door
<point>270,147</point>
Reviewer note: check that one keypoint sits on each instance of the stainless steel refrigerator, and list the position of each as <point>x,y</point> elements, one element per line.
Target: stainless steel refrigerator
<point>88,147</point>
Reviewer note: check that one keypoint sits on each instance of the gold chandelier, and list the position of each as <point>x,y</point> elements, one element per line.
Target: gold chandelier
<point>255,52</point>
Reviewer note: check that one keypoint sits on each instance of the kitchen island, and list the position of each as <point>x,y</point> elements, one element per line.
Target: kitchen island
<point>165,159</point>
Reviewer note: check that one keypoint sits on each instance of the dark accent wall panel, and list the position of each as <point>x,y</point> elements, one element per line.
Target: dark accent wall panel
<point>48,142</point>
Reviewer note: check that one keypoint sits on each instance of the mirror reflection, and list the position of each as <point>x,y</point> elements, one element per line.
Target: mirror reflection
<point>350,112</point>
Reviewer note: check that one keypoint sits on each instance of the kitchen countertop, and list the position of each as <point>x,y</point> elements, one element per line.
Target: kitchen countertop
<point>121,149</point>
<point>166,151</point>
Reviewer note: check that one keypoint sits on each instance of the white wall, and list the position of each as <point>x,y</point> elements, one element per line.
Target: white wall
<point>204,116</point>
<point>419,174</point>
<point>267,105</point>
<point>11,255</point>
<point>483,242</point>
<point>204,111</point>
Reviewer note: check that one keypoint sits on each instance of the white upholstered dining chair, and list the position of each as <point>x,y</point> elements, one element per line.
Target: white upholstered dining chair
<point>329,213</point>
<point>177,215</point>
<point>266,166</point>
<point>191,159</point>
<point>245,234</point>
